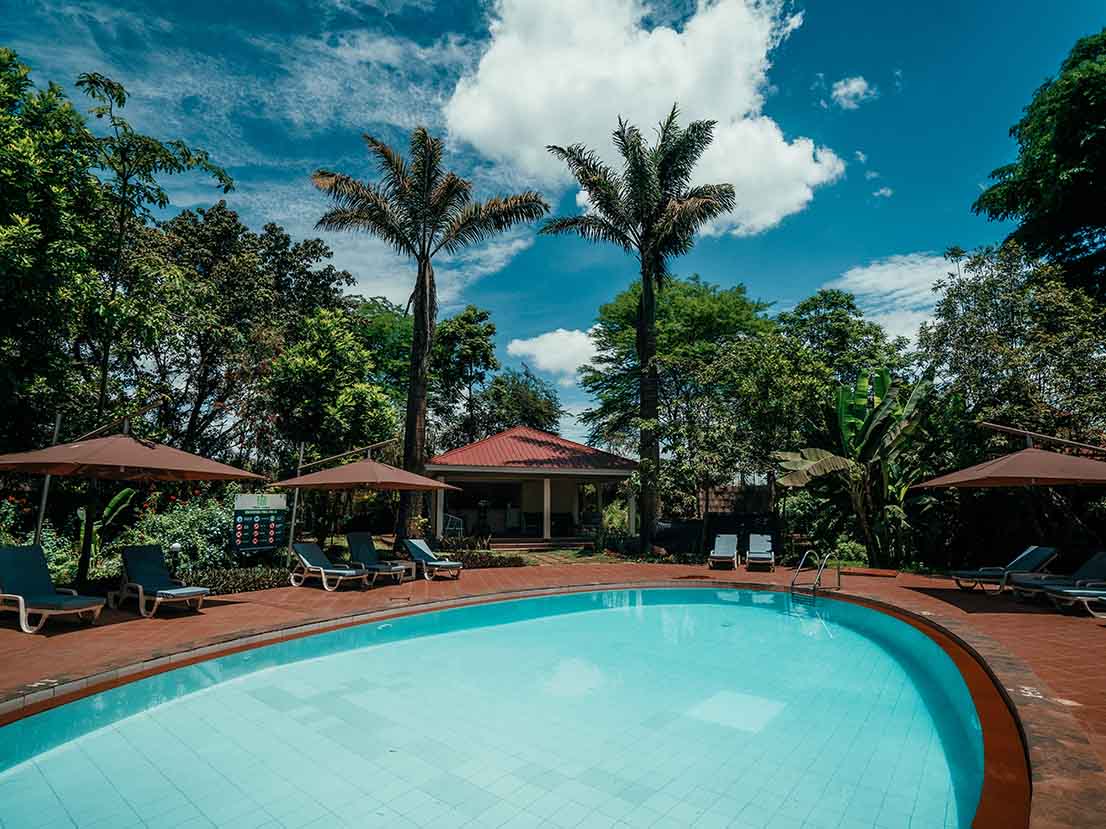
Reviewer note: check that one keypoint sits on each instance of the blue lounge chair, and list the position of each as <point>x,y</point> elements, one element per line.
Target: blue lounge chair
<point>147,579</point>
<point>760,552</point>
<point>1029,585</point>
<point>724,552</point>
<point>362,550</point>
<point>26,587</point>
<point>312,563</point>
<point>1033,559</point>
<point>1093,593</point>
<point>431,565</point>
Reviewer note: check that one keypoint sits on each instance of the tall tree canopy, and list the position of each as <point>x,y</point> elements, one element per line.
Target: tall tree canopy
<point>651,210</point>
<point>49,235</point>
<point>1054,188</point>
<point>421,210</point>
<point>833,328</point>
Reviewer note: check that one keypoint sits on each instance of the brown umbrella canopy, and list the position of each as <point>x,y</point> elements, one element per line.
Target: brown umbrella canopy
<point>1029,467</point>
<point>366,474</point>
<point>122,458</point>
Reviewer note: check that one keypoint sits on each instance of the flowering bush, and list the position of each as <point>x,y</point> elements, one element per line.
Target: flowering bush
<point>201,525</point>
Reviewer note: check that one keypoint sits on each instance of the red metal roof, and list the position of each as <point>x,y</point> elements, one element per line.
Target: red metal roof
<point>527,448</point>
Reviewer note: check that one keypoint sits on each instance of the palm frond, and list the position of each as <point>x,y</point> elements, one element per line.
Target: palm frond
<point>642,190</point>
<point>393,168</point>
<point>678,159</point>
<point>592,228</point>
<point>426,161</point>
<point>600,182</point>
<point>477,221</point>
<point>683,217</point>
<point>364,207</point>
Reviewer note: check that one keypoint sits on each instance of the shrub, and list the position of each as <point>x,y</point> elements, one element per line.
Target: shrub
<point>850,551</point>
<point>200,525</point>
<point>235,579</point>
<point>483,559</point>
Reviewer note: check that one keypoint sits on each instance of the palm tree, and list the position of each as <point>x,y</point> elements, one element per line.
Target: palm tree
<point>651,210</point>
<point>421,210</point>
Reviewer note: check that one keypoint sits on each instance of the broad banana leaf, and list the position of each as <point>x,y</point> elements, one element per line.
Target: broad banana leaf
<point>827,464</point>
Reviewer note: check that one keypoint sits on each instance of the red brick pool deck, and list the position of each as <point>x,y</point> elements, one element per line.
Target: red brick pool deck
<point>1052,666</point>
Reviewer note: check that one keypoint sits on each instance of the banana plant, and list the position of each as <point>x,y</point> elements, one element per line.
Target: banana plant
<point>114,509</point>
<point>873,429</point>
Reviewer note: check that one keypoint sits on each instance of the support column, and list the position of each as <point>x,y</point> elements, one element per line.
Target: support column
<point>439,512</point>
<point>631,513</point>
<point>546,522</point>
<point>576,504</point>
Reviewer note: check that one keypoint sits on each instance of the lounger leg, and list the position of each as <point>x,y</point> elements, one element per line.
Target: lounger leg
<point>297,577</point>
<point>200,603</point>
<point>25,621</point>
<point>1098,614</point>
<point>327,586</point>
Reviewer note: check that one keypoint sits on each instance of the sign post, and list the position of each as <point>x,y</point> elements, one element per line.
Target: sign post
<point>259,522</point>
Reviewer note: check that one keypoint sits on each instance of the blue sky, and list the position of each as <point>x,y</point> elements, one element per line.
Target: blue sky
<point>857,134</point>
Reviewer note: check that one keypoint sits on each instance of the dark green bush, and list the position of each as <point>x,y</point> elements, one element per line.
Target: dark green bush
<point>235,579</point>
<point>483,559</point>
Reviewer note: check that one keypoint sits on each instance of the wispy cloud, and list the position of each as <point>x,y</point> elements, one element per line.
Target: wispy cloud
<point>850,93</point>
<point>884,193</point>
<point>896,291</point>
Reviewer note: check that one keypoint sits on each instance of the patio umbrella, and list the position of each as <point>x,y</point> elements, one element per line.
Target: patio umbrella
<point>1029,467</point>
<point>122,458</point>
<point>366,474</point>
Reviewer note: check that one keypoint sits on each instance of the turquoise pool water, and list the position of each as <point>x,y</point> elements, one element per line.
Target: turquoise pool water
<point>664,708</point>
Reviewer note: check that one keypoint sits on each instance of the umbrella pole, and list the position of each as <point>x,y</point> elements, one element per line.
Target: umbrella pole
<point>46,486</point>
<point>295,507</point>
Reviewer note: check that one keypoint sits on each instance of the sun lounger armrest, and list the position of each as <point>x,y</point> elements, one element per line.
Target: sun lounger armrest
<point>998,571</point>
<point>1091,583</point>
<point>65,591</point>
<point>11,597</point>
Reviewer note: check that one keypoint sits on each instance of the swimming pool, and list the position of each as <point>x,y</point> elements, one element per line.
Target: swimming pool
<point>667,708</point>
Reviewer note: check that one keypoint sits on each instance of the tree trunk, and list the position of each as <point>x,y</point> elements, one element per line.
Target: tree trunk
<point>414,433</point>
<point>648,388</point>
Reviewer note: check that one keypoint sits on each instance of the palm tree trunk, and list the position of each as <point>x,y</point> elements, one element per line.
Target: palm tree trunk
<point>648,388</point>
<point>414,433</point>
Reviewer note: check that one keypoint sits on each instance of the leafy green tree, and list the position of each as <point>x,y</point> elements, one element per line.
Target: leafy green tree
<point>234,296</point>
<point>420,210</point>
<point>832,328</point>
<point>695,321</point>
<point>386,331</point>
<point>872,465</point>
<point>516,398</point>
<point>1054,188</point>
<point>321,387</point>
<point>1017,345</point>
<point>464,353</point>
<point>118,304</point>
<point>651,211</point>
<point>49,233</point>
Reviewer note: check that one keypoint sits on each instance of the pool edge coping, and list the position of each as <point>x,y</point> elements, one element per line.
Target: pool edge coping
<point>1037,744</point>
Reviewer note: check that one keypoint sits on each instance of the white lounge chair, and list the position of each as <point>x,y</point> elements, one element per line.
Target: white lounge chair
<point>312,563</point>
<point>1092,593</point>
<point>26,587</point>
<point>431,565</point>
<point>1028,585</point>
<point>1032,560</point>
<point>724,552</point>
<point>147,579</point>
<point>761,552</point>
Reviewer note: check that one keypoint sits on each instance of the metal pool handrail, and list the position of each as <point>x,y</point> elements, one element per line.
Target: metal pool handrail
<point>817,583</point>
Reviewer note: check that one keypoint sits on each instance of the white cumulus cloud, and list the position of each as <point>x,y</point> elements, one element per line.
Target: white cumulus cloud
<point>850,93</point>
<point>560,352</point>
<point>897,291</point>
<point>560,73</point>
<point>884,193</point>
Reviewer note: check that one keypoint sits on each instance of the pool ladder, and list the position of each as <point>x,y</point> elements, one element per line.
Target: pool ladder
<point>802,588</point>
